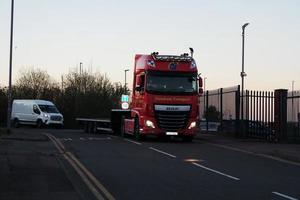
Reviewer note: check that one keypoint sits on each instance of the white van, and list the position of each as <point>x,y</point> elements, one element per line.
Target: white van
<point>35,112</point>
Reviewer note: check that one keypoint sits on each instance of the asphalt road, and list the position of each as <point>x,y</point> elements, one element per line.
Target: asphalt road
<point>154,169</point>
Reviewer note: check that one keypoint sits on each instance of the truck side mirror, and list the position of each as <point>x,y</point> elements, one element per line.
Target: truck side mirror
<point>139,83</point>
<point>200,91</point>
<point>200,82</point>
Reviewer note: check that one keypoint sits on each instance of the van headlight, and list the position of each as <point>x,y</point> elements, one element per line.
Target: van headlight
<point>192,125</point>
<point>46,115</point>
<point>149,124</point>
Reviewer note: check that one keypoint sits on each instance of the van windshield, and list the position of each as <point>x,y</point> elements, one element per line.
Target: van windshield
<point>48,109</point>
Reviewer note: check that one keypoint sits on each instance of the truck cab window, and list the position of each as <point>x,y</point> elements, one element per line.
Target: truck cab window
<point>36,110</point>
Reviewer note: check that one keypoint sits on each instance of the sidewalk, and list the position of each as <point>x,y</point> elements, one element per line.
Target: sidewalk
<point>30,168</point>
<point>288,152</point>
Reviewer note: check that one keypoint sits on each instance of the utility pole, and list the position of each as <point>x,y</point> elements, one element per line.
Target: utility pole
<point>125,85</point>
<point>9,97</point>
<point>243,74</point>
<point>80,68</point>
<point>293,82</point>
<point>204,94</point>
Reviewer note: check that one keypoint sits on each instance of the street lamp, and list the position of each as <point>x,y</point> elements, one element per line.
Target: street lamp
<point>293,82</point>
<point>243,74</point>
<point>126,70</point>
<point>9,97</point>
<point>204,94</point>
<point>80,68</point>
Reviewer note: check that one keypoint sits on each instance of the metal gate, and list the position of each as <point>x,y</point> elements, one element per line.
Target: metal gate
<point>258,116</point>
<point>293,116</point>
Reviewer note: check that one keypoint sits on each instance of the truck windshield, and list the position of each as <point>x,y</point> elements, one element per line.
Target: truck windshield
<point>48,109</point>
<point>171,83</point>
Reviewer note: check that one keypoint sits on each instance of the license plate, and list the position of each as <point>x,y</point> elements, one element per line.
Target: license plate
<point>171,133</point>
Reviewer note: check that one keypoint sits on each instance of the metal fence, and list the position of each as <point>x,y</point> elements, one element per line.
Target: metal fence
<point>293,116</point>
<point>272,116</point>
<point>259,114</point>
<point>220,111</point>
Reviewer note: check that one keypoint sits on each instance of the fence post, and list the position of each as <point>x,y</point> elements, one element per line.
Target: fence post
<point>207,93</point>
<point>237,111</point>
<point>280,114</point>
<point>246,121</point>
<point>221,109</point>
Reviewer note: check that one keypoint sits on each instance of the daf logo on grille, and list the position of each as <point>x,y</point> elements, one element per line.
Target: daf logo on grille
<point>172,108</point>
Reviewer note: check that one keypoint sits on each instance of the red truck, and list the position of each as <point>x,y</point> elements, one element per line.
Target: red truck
<point>164,100</point>
<point>164,97</point>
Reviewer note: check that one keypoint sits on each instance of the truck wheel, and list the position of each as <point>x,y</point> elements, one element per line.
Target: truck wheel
<point>39,123</point>
<point>137,129</point>
<point>122,130</point>
<point>16,123</point>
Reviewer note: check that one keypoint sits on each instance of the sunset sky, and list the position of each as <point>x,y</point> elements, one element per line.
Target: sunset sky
<point>56,35</point>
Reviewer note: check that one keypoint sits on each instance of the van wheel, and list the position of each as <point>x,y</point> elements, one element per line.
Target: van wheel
<point>39,123</point>
<point>16,123</point>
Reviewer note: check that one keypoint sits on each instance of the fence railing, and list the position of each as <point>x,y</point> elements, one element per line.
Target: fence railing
<point>272,116</point>
<point>293,116</point>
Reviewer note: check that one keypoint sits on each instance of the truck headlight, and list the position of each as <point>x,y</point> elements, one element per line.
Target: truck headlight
<point>46,115</point>
<point>149,124</point>
<point>192,125</point>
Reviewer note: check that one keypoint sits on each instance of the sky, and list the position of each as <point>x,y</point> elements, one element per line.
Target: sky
<point>56,35</point>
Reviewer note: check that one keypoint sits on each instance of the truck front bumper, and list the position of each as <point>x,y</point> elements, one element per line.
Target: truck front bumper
<point>187,131</point>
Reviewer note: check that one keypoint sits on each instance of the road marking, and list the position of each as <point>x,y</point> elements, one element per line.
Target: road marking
<point>82,138</point>
<point>215,171</point>
<point>284,195</point>
<point>91,176</point>
<point>254,153</point>
<point>92,183</point>
<point>138,143</point>
<point>159,151</point>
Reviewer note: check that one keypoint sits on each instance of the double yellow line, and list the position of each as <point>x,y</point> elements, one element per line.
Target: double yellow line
<point>89,179</point>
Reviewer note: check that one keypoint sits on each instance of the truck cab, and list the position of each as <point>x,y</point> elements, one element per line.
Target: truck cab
<point>164,97</point>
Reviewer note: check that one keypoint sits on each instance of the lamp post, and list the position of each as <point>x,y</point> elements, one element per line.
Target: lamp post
<point>204,97</point>
<point>243,74</point>
<point>9,97</point>
<point>125,85</point>
<point>293,82</point>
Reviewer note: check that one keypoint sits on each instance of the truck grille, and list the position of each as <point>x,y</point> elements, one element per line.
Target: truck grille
<point>56,118</point>
<point>172,121</point>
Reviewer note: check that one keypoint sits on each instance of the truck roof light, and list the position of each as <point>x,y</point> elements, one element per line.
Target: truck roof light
<point>151,63</point>
<point>169,58</point>
<point>193,64</point>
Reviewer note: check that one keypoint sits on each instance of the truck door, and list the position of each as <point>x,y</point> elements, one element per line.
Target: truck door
<point>139,92</point>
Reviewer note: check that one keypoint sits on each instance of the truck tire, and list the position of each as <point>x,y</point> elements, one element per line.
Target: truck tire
<point>122,129</point>
<point>16,123</point>
<point>137,129</point>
